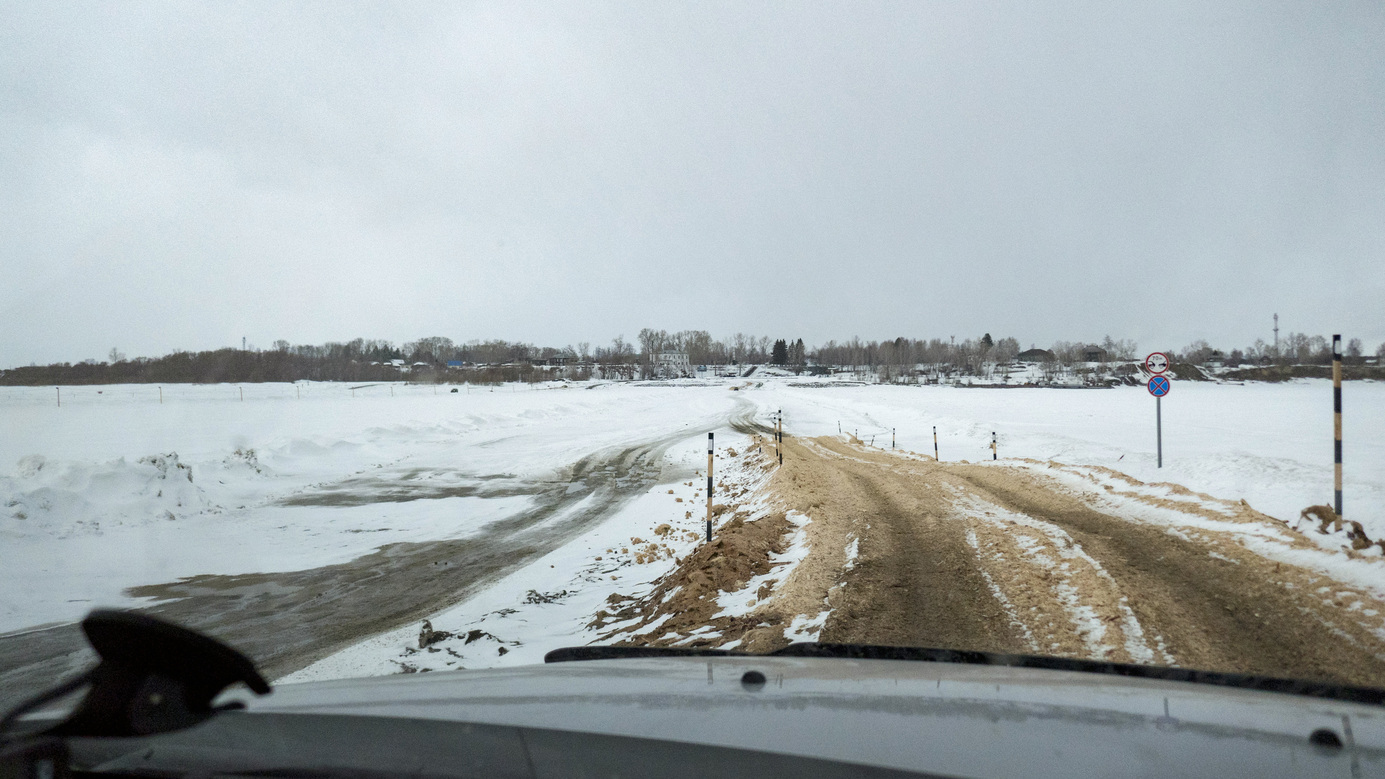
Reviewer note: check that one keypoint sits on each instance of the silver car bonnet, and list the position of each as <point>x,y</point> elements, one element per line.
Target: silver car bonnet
<point>951,719</point>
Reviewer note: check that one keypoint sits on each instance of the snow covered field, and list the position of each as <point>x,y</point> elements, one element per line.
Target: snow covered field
<point>114,489</point>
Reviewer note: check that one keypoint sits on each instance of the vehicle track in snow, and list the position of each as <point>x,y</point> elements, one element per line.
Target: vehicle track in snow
<point>1001,557</point>
<point>285,621</point>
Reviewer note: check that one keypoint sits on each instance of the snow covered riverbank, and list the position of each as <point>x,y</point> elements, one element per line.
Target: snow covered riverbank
<point>115,490</point>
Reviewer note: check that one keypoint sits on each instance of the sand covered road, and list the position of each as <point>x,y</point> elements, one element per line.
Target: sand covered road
<point>1020,557</point>
<point>1006,557</point>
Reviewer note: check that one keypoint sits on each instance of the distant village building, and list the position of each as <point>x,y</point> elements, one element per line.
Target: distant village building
<point>1035,355</point>
<point>1093,354</point>
<point>672,365</point>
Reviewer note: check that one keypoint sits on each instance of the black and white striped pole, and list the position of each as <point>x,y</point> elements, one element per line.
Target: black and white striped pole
<point>935,443</point>
<point>994,456</point>
<point>709,487</point>
<point>1337,420</point>
<point>892,438</point>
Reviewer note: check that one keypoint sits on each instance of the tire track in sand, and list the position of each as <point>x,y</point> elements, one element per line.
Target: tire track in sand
<point>1002,558</point>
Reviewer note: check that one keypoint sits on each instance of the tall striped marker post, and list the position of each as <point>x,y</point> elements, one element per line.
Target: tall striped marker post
<point>935,443</point>
<point>1337,420</point>
<point>994,456</point>
<point>709,487</point>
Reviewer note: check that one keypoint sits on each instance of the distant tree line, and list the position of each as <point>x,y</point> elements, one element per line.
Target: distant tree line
<point>1293,349</point>
<point>436,358</point>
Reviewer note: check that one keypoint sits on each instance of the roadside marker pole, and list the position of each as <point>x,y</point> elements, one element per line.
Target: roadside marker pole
<point>242,394</point>
<point>993,449</point>
<point>1337,420</point>
<point>935,443</point>
<point>161,396</point>
<point>709,487</point>
<point>892,438</point>
<point>60,396</point>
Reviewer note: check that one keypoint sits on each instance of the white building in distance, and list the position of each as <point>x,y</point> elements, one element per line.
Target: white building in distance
<point>672,365</point>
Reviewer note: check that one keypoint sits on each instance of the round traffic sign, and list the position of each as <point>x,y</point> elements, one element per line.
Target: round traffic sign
<point>1159,386</point>
<point>1157,362</point>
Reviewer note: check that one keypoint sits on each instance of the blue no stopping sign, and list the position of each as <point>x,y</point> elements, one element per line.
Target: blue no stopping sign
<point>1158,386</point>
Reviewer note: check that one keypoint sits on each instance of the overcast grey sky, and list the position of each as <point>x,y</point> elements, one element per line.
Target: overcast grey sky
<point>178,175</point>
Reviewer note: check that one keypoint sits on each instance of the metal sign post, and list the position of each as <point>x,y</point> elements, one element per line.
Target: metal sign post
<point>1159,386</point>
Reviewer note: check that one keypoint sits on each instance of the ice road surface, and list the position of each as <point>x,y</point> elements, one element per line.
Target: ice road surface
<point>114,489</point>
